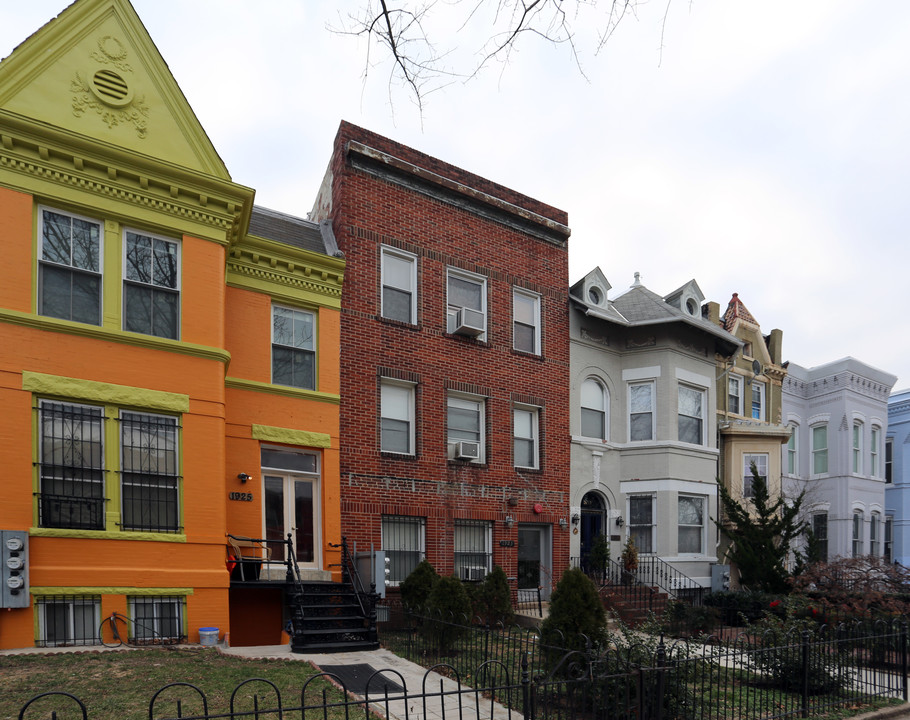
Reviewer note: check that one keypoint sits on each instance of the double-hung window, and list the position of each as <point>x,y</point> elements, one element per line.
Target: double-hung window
<point>792,448</point>
<point>641,522</point>
<point>151,282</point>
<point>889,460</point>
<point>691,523</point>
<point>397,417</point>
<point>758,401</point>
<point>857,533</point>
<point>293,348</point>
<point>820,449</point>
<point>857,448</point>
<point>466,299</point>
<point>889,535</point>
<point>68,620</point>
<point>820,531</point>
<point>593,410</point>
<point>874,529</point>
<point>69,269</point>
<point>525,437</point>
<point>465,428</point>
<point>873,451</point>
<point>473,549</point>
<point>149,472</point>
<point>403,542</point>
<point>691,424</point>
<point>761,465</point>
<point>734,395</point>
<point>641,411</point>
<point>525,321</point>
<point>71,467</point>
<point>156,618</point>
<point>399,286</point>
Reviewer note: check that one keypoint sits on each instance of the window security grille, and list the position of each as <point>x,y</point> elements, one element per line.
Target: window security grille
<point>149,472</point>
<point>68,620</point>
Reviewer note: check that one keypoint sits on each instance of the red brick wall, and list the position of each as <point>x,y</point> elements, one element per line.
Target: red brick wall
<point>367,212</point>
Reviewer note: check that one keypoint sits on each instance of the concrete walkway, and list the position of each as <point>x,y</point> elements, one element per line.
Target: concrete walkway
<point>447,702</point>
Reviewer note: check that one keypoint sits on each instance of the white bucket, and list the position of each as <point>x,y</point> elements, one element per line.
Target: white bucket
<point>208,636</point>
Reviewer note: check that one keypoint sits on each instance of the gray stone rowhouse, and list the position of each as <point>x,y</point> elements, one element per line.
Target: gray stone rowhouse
<point>838,415</point>
<point>897,473</point>
<point>644,426</point>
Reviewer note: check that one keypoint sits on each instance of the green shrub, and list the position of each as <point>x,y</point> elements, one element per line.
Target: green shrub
<point>576,610</point>
<point>416,587</point>
<point>738,608</point>
<point>450,610</point>
<point>493,598</point>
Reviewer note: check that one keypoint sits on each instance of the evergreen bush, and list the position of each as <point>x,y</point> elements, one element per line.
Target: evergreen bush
<point>416,587</point>
<point>450,610</point>
<point>493,598</point>
<point>576,613</point>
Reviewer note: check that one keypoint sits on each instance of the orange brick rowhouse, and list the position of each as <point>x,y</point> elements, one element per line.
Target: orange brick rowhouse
<point>454,365</point>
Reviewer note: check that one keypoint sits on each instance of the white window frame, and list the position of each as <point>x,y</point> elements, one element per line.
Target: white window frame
<point>703,399</point>
<point>91,604</point>
<point>599,390</point>
<point>761,462</point>
<point>701,526</point>
<point>452,308</point>
<point>153,286</point>
<point>735,393</point>
<point>793,450</point>
<point>519,295</point>
<point>759,389</point>
<point>463,531</point>
<point>858,521</point>
<point>650,384</point>
<point>70,267</point>
<point>875,523</point>
<point>310,351</point>
<point>633,529</point>
<point>874,440</point>
<point>388,390</point>
<point>532,414</point>
<point>386,521</point>
<point>856,464</point>
<point>820,453</point>
<point>889,460</point>
<point>141,631</point>
<point>386,253</point>
<point>472,403</point>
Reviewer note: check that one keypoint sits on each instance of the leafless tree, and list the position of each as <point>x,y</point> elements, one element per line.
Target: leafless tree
<point>425,42</point>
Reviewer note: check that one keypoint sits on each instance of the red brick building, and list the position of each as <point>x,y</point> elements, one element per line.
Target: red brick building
<point>454,365</point>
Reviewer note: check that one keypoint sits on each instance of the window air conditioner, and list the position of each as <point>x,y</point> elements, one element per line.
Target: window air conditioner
<point>467,450</point>
<point>473,573</point>
<point>468,322</point>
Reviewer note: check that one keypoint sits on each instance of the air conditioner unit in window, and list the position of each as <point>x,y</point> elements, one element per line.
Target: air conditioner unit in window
<point>474,573</point>
<point>468,322</point>
<point>467,450</point>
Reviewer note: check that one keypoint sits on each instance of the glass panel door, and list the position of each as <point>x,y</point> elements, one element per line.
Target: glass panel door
<point>290,509</point>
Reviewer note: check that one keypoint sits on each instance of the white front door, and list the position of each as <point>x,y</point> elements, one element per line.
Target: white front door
<point>291,506</point>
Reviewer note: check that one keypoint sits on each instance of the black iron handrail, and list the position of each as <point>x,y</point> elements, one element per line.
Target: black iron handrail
<point>652,570</point>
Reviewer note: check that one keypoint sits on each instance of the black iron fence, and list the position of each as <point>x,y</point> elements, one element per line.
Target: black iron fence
<point>478,672</point>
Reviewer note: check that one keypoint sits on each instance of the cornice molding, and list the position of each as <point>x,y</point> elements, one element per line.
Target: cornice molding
<point>39,322</point>
<point>43,156</point>
<point>256,386</point>
<point>285,271</point>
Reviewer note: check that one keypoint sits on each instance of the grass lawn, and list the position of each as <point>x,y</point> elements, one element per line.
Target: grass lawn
<point>118,685</point>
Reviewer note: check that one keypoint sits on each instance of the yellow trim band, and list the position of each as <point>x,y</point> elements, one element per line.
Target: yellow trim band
<point>79,389</point>
<point>286,436</point>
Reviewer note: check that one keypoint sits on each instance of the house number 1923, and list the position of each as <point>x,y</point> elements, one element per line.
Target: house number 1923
<point>245,497</point>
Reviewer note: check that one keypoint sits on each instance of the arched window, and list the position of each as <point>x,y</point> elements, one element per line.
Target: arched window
<point>593,409</point>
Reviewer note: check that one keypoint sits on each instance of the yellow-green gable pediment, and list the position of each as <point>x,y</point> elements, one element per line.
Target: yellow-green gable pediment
<point>95,71</point>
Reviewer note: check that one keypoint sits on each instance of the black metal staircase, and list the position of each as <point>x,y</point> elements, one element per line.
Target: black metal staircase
<point>331,616</point>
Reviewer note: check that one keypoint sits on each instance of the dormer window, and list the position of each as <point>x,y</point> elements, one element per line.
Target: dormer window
<point>692,307</point>
<point>595,296</point>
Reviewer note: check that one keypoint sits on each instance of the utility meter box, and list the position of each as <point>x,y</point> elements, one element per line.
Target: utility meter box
<point>14,569</point>
<point>720,578</point>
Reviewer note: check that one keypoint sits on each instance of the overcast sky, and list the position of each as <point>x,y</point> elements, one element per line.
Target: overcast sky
<point>765,151</point>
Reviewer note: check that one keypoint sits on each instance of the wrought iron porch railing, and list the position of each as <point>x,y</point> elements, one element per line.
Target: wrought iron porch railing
<point>652,570</point>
